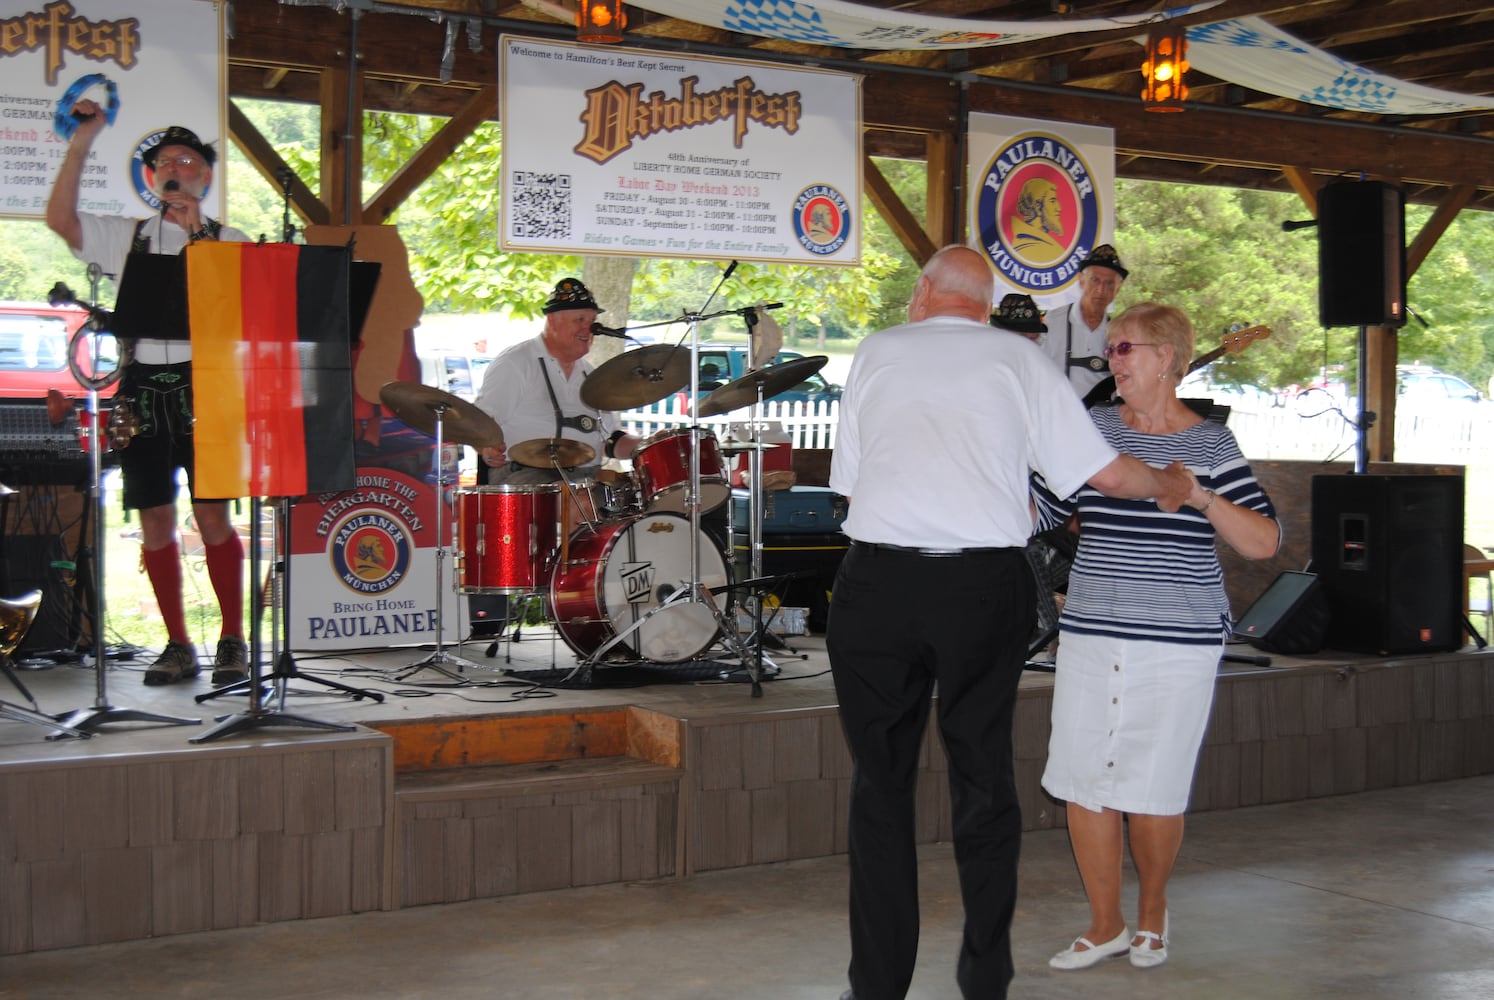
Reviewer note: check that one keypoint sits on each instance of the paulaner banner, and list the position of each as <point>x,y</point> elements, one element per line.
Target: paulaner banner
<point>622,151</point>
<point>1042,196</point>
<point>364,567</point>
<point>149,64</point>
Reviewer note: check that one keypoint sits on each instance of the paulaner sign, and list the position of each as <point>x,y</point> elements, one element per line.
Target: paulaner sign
<point>1042,197</point>
<point>614,150</point>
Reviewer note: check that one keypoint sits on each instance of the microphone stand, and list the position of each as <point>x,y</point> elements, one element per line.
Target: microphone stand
<point>86,720</point>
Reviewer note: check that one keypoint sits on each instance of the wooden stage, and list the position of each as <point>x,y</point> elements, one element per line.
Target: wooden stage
<point>486,785</point>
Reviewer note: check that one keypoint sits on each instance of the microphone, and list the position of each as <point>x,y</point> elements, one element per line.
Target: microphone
<point>772,305</point>
<point>598,330</point>
<point>730,268</point>
<point>1288,226</point>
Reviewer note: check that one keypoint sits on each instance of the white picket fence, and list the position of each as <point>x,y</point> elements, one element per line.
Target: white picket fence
<point>808,425</point>
<point>1462,435</point>
<point>1454,435</point>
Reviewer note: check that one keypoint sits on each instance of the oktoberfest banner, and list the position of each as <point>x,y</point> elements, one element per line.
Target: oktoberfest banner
<point>611,150</point>
<point>273,384</point>
<point>149,63</point>
<point>1042,196</point>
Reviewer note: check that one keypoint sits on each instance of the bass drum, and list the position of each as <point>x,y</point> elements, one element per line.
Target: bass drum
<point>620,570</point>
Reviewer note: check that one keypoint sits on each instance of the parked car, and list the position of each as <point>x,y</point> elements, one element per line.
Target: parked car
<point>34,341</point>
<point>723,363</point>
<point>1420,385</point>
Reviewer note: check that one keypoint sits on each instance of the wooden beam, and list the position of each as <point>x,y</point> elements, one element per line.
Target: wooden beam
<point>903,223</point>
<point>429,159</point>
<point>1300,179</point>
<point>342,146</point>
<point>943,218</point>
<point>257,149</point>
<point>1447,210</point>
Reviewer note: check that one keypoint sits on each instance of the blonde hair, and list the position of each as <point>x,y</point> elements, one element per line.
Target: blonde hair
<point>1163,324</point>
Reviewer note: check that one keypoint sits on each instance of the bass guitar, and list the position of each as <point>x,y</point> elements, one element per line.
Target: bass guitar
<point>1234,341</point>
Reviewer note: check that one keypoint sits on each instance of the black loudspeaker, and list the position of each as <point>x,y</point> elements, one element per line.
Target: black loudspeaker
<point>1389,550</point>
<point>1361,254</point>
<point>1290,617</point>
<point>39,562</point>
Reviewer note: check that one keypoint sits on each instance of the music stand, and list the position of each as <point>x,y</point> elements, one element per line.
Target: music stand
<point>259,715</point>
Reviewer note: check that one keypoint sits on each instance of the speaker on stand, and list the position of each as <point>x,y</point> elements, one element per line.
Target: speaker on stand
<point>1361,254</point>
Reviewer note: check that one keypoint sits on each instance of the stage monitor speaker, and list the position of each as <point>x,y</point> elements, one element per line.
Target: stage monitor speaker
<point>39,562</point>
<point>1290,617</point>
<point>1361,254</point>
<point>1389,550</point>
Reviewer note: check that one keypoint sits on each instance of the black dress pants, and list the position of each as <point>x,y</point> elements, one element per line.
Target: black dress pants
<point>900,623</point>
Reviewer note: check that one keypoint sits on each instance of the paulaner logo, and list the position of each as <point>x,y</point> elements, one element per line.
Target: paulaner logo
<point>57,31</point>
<point>1037,213</point>
<point>617,114</point>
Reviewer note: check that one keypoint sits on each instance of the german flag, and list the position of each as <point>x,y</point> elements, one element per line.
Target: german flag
<point>272,381</point>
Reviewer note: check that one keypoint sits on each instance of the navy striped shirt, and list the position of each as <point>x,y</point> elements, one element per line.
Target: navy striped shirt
<point>1141,573</point>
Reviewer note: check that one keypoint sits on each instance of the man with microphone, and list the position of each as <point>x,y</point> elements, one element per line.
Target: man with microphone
<point>533,390</point>
<point>158,384</point>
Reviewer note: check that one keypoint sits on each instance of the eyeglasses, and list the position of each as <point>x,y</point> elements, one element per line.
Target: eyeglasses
<point>1123,348</point>
<point>182,161</point>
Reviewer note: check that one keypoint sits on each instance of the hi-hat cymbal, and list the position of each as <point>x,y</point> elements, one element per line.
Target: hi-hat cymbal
<point>461,422</point>
<point>774,379</point>
<point>549,453</point>
<point>639,377</point>
<point>737,447</point>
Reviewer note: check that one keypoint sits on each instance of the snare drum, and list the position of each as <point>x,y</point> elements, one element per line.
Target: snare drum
<point>620,570</point>
<point>506,536</point>
<point>662,463</point>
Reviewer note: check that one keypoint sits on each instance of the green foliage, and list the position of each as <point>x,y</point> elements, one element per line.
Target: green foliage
<point>1219,254</point>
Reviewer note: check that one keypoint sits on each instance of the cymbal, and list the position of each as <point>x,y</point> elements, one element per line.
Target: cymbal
<point>641,376</point>
<point>774,378</point>
<point>737,447</point>
<point>547,453</point>
<point>461,422</point>
<point>5,491</point>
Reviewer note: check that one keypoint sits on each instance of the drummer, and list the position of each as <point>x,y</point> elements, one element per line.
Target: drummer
<point>533,391</point>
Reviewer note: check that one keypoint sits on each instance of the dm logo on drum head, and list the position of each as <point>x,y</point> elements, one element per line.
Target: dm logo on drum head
<point>370,552</point>
<point>1037,213</point>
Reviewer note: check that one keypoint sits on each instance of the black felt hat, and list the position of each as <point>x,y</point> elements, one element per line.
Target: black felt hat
<point>571,294</point>
<point>178,136</point>
<point>1104,255</point>
<point>1019,313</point>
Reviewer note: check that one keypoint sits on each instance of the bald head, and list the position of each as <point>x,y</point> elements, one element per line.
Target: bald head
<point>956,281</point>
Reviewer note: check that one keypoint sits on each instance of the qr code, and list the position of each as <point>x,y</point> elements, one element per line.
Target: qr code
<point>541,208</point>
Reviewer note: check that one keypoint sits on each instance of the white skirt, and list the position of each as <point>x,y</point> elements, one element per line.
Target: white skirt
<point>1128,719</point>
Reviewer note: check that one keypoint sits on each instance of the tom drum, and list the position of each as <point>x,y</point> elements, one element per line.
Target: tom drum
<point>506,536</point>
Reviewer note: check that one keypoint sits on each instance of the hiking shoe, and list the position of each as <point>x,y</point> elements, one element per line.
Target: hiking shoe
<point>177,662</point>
<point>231,663</point>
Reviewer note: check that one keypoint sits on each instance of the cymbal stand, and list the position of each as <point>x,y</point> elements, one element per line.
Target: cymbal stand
<point>439,658</point>
<point>100,713</point>
<point>258,716</point>
<point>695,591</point>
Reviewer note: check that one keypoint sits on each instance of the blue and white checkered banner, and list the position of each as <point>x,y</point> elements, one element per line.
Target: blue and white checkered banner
<point>1252,53</point>
<point>855,26</point>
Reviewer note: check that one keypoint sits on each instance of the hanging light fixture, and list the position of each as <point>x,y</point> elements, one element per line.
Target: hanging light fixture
<point>1166,68</point>
<point>600,21</point>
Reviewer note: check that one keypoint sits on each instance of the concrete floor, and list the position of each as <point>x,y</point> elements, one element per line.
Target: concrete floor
<point>1378,895</point>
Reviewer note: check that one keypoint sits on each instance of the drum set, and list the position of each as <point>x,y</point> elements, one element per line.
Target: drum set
<point>619,563</point>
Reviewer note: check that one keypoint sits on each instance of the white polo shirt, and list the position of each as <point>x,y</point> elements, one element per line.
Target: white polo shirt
<point>941,422</point>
